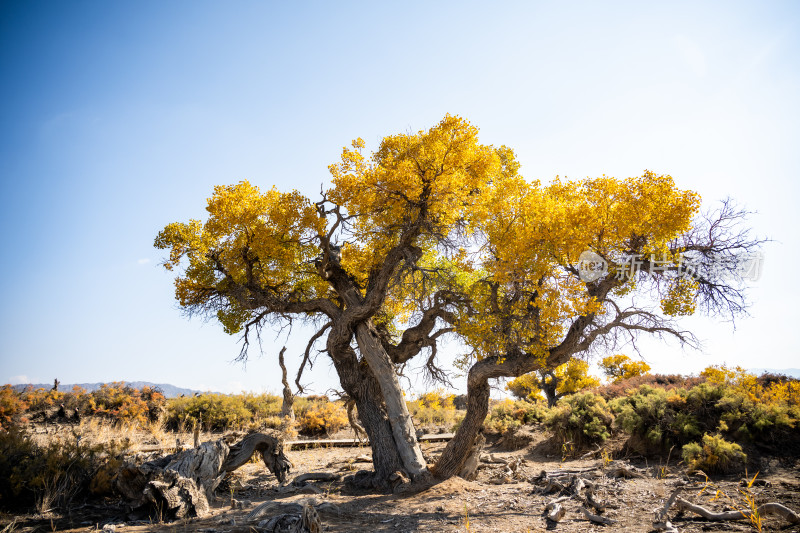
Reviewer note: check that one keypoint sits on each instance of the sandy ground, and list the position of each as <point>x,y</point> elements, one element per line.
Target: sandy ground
<point>516,505</point>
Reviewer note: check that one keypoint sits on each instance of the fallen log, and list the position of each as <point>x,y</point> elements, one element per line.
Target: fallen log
<point>315,476</point>
<point>180,485</point>
<point>597,519</point>
<point>763,509</point>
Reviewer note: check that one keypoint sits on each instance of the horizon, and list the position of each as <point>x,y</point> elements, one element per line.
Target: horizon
<point>121,118</point>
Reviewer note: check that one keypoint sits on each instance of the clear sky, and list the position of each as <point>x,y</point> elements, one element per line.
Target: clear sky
<point>117,118</point>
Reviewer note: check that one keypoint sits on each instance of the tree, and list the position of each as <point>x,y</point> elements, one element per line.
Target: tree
<point>619,367</point>
<point>436,234</point>
<point>556,383</point>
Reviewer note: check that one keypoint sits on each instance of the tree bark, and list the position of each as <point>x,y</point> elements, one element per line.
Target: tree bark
<point>458,449</point>
<point>180,485</point>
<point>287,411</point>
<point>399,418</point>
<point>358,381</point>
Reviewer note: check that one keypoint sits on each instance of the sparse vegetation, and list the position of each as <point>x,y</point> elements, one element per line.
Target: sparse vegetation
<point>708,418</point>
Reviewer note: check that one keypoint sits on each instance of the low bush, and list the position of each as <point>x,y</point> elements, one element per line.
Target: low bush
<point>51,476</point>
<point>508,415</point>
<point>12,407</point>
<point>320,417</point>
<point>714,455</point>
<point>433,408</point>
<point>580,420</point>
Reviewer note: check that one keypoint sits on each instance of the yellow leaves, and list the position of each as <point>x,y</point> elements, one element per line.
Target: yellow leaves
<point>680,297</point>
<point>434,178</point>
<point>619,367</point>
<point>249,236</point>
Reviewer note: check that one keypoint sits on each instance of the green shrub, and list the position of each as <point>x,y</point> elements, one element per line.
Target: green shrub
<point>508,415</point>
<point>580,420</point>
<point>655,418</point>
<point>715,455</point>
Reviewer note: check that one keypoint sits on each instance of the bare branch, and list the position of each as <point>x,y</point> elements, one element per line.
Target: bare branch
<point>307,355</point>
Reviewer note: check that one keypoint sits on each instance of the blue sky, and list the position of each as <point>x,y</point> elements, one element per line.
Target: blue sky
<point>120,117</point>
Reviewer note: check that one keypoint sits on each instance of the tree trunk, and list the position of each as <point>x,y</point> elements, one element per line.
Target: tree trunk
<point>358,381</point>
<point>405,439</point>
<point>458,449</point>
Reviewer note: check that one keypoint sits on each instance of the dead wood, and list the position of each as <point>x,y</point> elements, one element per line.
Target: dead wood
<point>315,476</point>
<point>491,459</point>
<point>306,521</point>
<point>665,526</point>
<point>553,485</point>
<point>555,512</point>
<point>624,472</point>
<point>590,501</point>
<point>597,519</point>
<point>763,509</point>
<point>180,485</point>
<point>269,446</point>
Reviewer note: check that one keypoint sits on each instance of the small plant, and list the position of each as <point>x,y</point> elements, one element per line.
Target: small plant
<point>606,458</point>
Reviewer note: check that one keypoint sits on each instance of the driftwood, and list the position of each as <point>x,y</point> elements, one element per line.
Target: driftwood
<point>180,485</point>
<point>555,512</point>
<point>574,486</point>
<point>315,476</point>
<point>763,509</point>
<point>597,519</point>
<point>290,517</point>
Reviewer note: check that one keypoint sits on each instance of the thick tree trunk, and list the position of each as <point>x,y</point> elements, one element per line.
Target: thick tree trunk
<point>359,383</point>
<point>402,426</point>
<point>458,449</point>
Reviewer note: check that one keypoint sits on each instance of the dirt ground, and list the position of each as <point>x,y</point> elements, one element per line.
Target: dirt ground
<point>516,504</point>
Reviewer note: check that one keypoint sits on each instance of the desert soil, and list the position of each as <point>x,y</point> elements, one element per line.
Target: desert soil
<point>516,505</point>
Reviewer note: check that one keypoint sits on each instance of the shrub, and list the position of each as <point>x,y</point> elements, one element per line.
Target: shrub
<point>715,455</point>
<point>50,476</point>
<point>433,408</point>
<point>508,415</point>
<point>321,417</point>
<point>656,418</point>
<point>668,382</point>
<point>11,407</point>
<point>214,412</point>
<point>581,419</point>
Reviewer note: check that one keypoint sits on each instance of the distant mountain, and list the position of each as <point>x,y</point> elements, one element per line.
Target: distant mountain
<point>169,391</point>
<point>791,372</point>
